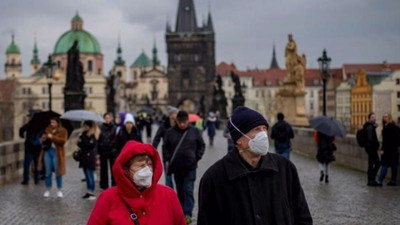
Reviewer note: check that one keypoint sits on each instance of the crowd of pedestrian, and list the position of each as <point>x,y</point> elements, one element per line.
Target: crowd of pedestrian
<point>249,185</point>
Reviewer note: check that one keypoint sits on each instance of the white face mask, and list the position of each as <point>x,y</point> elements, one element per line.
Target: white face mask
<point>259,144</point>
<point>143,177</point>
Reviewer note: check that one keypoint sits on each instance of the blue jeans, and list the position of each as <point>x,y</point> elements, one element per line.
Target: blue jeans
<point>50,164</point>
<point>285,152</point>
<point>184,181</point>
<point>384,171</point>
<point>168,181</point>
<point>27,163</point>
<point>89,175</point>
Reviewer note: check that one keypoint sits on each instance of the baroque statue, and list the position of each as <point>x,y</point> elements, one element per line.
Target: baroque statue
<point>295,65</point>
<point>75,80</point>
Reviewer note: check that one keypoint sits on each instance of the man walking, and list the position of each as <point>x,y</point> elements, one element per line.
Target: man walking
<point>106,149</point>
<point>249,185</point>
<point>282,132</point>
<point>167,123</point>
<point>183,147</point>
<point>371,147</point>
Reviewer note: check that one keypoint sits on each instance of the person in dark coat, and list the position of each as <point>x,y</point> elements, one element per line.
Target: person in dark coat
<point>32,151</point>
<point>325,156</point>
<point>211,127</point>
<point>371,148</point>
<point>106,149</point>
<point>167,123</point>
<point>250,185</point>
<point>390,154</point>
<point>282,132</point>
<point>148,121</point>
<point>128,132</point>
<point>87,142</point>
<point>182,159</point>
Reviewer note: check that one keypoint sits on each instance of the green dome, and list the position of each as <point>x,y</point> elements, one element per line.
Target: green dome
<point>142,60</point>
<point>13,49</point>
<point>87,43</point>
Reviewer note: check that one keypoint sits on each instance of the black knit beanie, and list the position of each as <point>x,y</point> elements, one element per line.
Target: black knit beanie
<point>244,119</point>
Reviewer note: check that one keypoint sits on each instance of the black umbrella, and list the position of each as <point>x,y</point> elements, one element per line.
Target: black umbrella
<point>41,120</point>
<point>328,126</point>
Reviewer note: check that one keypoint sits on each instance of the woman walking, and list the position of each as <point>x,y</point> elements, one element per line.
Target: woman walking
<point>87,143</point>
<point>54,156</point>
<point>390,154</point>
<point>128,132</point>
<point>325,156</point>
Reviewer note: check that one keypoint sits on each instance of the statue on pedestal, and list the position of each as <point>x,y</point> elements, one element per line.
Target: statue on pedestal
<point>290,97</point>
<point>219,99</point>
<point>238,99</point>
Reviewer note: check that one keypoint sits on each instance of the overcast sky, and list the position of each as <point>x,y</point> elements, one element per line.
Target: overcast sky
<point>356,31</point>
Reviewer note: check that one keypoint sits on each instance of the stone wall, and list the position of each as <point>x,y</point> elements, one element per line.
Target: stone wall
<point>348,152</point>
<point>12,157</point>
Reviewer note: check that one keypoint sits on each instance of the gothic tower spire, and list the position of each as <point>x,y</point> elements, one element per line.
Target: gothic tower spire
<point>186,18</point>
<point>274,62</point>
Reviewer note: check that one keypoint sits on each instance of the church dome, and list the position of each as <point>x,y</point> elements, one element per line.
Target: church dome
<point>13,48</point>
<point>87,42</point>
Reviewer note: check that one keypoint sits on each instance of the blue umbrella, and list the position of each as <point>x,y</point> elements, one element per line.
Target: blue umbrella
<point>328,126</point>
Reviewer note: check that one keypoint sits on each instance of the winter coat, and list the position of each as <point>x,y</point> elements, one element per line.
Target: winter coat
<point>325,148</point>
<point>59,138</point>
<point>31,144</point>
<point>161,132</point>
<point>123,136</point>
<point>190,151</point>
<point>390,144</point>
<point>210,126</point>
<point>156,205</point>
<point>282,128</point>
<point>87,144</point>
<point>106,142</point>
<point>233,193</point>
<point>372,144</point>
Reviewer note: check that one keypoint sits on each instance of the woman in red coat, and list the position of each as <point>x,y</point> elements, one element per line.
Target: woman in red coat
<point>137,171</point>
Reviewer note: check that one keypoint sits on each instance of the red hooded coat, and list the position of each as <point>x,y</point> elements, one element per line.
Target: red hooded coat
<point>156,205</point>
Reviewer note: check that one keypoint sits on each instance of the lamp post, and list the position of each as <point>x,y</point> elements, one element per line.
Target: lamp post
<point>49,76</point>
<point>324,62</point>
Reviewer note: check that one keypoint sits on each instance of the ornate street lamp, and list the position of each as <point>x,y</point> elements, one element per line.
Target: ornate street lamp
<point>49,76</point>
<point>324,62</point>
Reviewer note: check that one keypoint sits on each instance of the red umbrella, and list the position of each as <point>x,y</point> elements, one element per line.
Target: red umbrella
<point>193,117</point>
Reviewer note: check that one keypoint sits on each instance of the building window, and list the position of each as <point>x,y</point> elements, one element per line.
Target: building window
<point>44,90</point>
<point>44,105</point>
<point>311,105</point>
<point>311,94</point>
<point>397,81</point>
<point>256,94</point>
<point>398,108</point>
<point>90,65</point>
<point>398,94</point>
<point>58,64</point>
<point>134,75</point>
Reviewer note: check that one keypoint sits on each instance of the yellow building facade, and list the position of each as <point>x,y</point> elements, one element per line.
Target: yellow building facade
<point>361,101</point>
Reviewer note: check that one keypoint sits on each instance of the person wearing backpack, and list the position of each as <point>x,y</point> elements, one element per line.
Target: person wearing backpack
<point>281,133</point>
<point>371,147</point>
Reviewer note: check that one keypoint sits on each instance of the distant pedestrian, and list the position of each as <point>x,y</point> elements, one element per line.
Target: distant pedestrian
<point>371,147</point>
<point>54,157</point>
<point>249,185</point>
<point>325,155</point>
<point>230,144</point>
<point>32,148</point>
<point>137,198</point>
<point>128,132</point>
<point>281,133</point>
<point>106,149</point>
<point>184,147</point>
<point>148,122</point>
<point>390,154</point>
<point>199,124</point>
<point>162,129</point>
<point>211,127</point>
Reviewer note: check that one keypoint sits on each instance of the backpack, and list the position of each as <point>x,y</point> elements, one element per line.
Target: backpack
<point>361,137</point>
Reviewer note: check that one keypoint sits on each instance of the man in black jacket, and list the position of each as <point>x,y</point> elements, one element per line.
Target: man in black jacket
<point>371,148</point>
<point>106,149</point>
<point>183,147</point>
<point>282,132</point>
<point>250,185</point>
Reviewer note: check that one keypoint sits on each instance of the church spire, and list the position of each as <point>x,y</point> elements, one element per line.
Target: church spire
<point>35,59</point>
<point>119,61</point>
<point>155,59</point>
<point>210,26</point>
<point>186,17</point>
<point>274,62</point>
<point>168,26</point>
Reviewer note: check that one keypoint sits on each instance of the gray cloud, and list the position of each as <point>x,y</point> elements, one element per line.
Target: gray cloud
<point>357,31</point>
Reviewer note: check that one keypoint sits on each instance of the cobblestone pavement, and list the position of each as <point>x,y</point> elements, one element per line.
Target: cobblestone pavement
<point>345,200</point>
